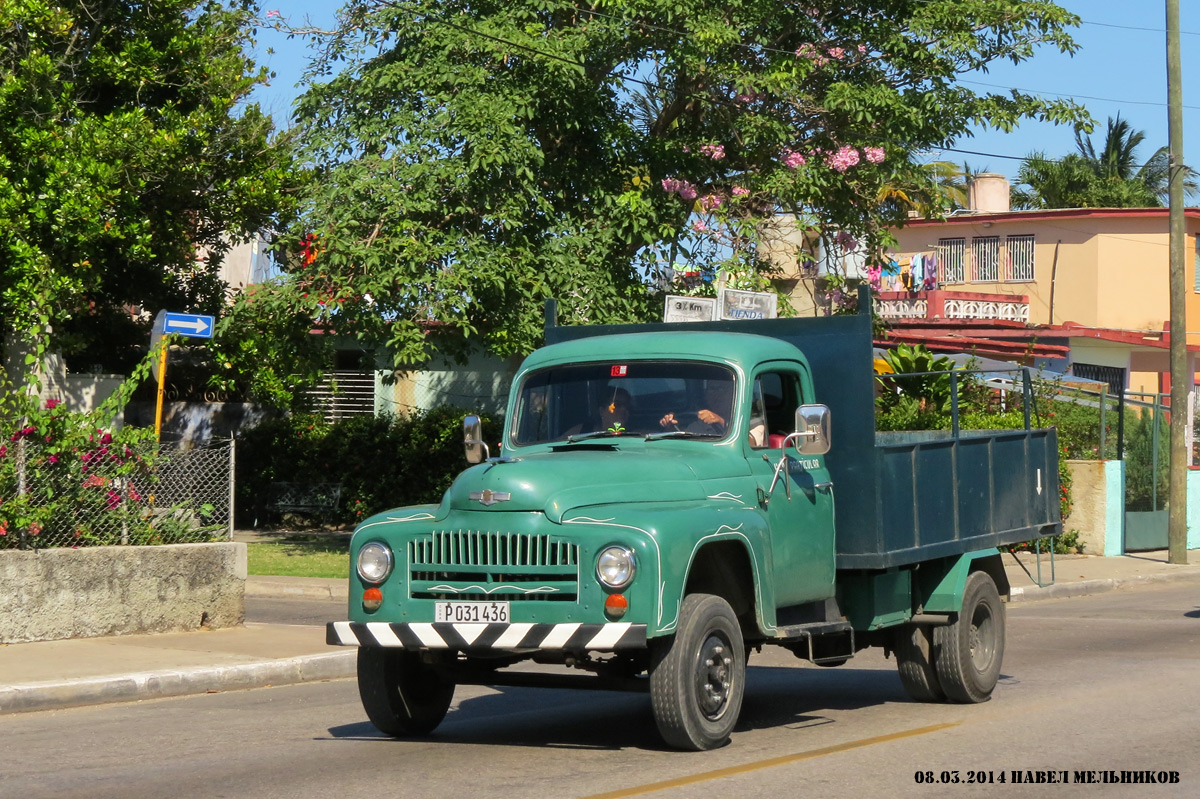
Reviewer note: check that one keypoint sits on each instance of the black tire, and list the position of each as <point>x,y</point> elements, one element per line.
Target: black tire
<point>698,678</point>
<point>968,653</point>
<point>914,661</point>
<point>402,695</point>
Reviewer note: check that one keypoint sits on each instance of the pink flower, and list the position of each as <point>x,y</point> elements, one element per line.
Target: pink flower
<point>714,151</point>
<point>836,53</point>
<point>738,191</point>
<point>699,226</point>
<point>53,459</point>
<point>112,499</point>
<point>271,14</point>
<point>106,439</point>
<point>874,154</point>
<point>51,404</point>
<point>35,528</point>
<point>134,495</point>
<point>710,202</point>
<point>3,450</point>
<point>681,187</point>
<point>862,49</point>
<point>793,159</point>
<point>846,241</point>
<point>843,159</point>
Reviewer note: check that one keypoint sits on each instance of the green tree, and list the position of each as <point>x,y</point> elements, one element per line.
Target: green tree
<point>127,153</point>
<point>472,158</point>
<point>1109,176</point>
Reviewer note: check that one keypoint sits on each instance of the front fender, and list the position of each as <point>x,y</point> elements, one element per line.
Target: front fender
<point>670,534</point>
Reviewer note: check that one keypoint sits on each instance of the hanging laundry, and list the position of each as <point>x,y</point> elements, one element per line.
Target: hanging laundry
<point>918,270</point>
<point>931,272</point>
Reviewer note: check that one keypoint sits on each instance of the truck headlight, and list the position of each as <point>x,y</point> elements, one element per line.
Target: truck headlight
<point>374,562</point>
<point>616,566</point>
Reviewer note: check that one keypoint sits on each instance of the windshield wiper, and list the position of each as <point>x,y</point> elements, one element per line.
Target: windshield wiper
<point>681,434</point>
<point>597,434</point>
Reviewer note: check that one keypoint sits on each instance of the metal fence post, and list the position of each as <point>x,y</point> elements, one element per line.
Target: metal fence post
<point>232,472</point>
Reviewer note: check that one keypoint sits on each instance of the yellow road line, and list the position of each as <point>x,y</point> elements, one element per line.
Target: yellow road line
<point>771,762</point>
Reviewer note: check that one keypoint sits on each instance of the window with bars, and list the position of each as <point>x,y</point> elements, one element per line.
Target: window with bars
<point>952,258</point>
<point>985,252</point>
<point>1020,258</point>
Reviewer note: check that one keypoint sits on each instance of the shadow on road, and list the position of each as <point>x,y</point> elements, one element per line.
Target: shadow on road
<point>603,720</point>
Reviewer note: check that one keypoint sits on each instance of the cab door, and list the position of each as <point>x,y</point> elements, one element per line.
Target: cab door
<point>802,534</point>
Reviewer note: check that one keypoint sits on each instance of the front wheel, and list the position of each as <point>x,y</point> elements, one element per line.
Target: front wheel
<point>697,679</point>
<point>402,694</point>
<point>968,652</point>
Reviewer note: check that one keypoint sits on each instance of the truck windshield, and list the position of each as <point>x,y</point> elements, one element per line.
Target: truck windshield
<point>632,398</point>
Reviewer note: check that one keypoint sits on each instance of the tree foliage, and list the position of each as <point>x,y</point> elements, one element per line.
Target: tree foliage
<point>127,153</point>
<point>1108,176</point>
<point>472,158</point>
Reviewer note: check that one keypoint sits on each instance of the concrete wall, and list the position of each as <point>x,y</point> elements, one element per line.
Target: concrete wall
<point>83,593</point>
<point>1193,511</point>
<point>1098,509</point>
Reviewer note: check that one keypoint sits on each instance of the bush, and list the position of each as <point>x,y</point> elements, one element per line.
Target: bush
<point>381,462</point>
<point>66,480</point>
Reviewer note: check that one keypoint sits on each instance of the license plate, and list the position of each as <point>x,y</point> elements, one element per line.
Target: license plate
<point>471,612</point>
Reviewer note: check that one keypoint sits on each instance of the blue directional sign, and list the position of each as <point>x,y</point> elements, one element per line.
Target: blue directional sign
<point>188,324</point>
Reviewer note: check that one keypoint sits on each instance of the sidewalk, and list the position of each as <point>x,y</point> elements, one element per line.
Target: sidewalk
<point>88,671</point>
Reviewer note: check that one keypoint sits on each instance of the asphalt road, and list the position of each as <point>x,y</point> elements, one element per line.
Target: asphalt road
<point>1097,684</point>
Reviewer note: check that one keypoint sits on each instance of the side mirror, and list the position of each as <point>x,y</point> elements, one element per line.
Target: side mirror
<point>812,429</point>
<point>473,444</point>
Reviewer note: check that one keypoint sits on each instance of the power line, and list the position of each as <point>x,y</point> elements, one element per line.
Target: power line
<point>1073,96</point>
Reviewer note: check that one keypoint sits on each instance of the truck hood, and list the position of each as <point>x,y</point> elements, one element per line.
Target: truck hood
<point>555,482</point>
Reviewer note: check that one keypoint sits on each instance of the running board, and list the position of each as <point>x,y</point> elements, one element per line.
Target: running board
<point>819,642</point>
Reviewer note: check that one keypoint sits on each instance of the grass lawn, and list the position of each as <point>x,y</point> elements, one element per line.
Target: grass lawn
<point>299,559</point>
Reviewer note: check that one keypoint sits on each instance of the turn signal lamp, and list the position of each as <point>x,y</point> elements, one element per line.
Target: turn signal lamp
<point>615,606</point>
<point>372,599</point>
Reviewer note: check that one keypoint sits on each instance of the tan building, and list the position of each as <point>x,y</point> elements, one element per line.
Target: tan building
<point>1099,275</point>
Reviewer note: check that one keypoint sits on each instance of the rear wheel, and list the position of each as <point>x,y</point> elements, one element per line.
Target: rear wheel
<point>402,694</point>
<point>697,678</point>
<point>914,661</point>
<point>968,653</point>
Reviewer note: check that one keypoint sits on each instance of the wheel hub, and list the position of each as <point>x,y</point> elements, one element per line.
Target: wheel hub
<point>981,638</point>
<point>714,676</point>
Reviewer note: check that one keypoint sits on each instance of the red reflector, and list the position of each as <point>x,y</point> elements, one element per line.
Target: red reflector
<point>372,599</point>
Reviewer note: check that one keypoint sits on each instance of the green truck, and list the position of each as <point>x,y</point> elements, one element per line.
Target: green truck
<point>668,498</point>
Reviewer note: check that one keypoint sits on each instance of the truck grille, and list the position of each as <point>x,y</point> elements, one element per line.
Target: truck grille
<point>470,565</point>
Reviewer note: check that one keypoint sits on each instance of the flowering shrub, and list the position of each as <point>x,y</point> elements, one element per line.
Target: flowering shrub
<point>66,480</point>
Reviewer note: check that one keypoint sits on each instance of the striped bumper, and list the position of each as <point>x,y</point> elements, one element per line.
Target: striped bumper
<point>446,635</point>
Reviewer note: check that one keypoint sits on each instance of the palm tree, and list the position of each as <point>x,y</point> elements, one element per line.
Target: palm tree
<point>1091,177</point>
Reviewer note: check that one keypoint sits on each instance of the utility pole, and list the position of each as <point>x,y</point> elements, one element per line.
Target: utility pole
<point>1181,375</point>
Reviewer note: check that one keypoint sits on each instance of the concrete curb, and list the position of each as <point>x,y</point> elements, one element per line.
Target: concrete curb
<point>292,588</point>
<point>176,682</point>
<point>1087,587</point>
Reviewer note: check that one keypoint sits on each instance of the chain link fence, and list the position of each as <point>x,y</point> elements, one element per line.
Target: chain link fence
<point>162,495</point>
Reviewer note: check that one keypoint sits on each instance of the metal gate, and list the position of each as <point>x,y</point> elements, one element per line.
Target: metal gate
<point>1147,456</point>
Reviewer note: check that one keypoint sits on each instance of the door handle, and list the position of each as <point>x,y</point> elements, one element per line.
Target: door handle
<point>827,485</point>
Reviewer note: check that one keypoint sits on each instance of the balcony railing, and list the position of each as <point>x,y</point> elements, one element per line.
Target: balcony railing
<point>952,305</point>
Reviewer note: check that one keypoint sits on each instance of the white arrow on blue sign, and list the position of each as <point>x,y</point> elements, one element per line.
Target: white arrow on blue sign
<point>188,324</point>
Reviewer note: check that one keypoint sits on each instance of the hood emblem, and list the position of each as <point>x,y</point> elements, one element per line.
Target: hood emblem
<point>489,497</point>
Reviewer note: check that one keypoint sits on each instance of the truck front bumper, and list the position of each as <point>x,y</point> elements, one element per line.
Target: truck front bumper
<point>491,637</point>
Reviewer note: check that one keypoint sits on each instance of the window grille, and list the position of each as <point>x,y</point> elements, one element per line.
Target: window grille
<point>985,252</point>
<point>1020,258</point>
<point>952,256</point>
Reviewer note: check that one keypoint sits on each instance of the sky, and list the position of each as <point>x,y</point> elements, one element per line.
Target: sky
<point>1120,67</point>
